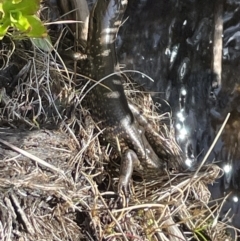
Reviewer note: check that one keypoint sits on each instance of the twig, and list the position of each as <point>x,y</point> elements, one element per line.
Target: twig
<point>32,157</point>
<point>22,214</point>
<point>213,144</point>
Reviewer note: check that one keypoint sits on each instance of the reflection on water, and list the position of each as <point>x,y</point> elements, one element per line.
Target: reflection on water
<point>172,42</point>
<point>227,153</point>
<point>227,168</point>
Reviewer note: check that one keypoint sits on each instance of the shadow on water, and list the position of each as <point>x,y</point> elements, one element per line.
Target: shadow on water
<point>172,42</point>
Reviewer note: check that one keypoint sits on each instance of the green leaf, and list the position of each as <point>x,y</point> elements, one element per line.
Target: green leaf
<point>44,44</point>
<point>20,14</point>
<point>37,28</point>
<point>1,11</point>
<point>16,1</point>
<point>27,7</point>
<point>3,28</point>
<point>20,22</point>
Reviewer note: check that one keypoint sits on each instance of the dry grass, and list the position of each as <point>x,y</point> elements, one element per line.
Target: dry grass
<point>79,203</point>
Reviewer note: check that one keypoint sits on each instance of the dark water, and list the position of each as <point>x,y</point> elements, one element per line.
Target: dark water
<point>172,42</point>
